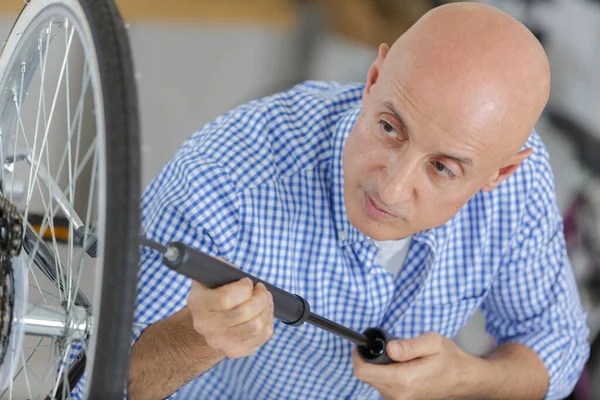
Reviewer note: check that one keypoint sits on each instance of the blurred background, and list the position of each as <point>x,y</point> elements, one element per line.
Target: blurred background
<point>196,59</point>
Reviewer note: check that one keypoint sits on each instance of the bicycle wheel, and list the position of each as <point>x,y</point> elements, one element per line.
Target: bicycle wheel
<point>69,204</point>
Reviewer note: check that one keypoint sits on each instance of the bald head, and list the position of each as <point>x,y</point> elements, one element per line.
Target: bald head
<point>475,66</point>
<point>444,115</point>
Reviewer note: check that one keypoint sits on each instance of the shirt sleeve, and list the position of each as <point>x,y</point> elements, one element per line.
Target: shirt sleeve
<point>534,299</point>
<point>192,201</point>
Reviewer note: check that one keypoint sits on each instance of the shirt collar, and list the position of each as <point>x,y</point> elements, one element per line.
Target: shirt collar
<point>346,232</point>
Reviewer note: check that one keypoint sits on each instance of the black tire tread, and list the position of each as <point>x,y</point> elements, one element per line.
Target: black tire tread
<point>111,360</point>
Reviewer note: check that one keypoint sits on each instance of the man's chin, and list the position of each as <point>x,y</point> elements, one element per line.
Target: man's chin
<point>379,230</point>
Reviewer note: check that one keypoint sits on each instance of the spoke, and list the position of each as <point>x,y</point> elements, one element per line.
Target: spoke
<point>38,286</point>
<point>70,173</point>
<point>41,103</point>
<point>85,159</point>
<point>58,280</point>
<point>29,151</point>
<point>48,181</point>
<point>80,122</point>
<point>66,386</point>
<point>88,213</point>
<point>78,117</point>
<point>48,217</point>
<point>33,305</point>
<point>57,91</point>
<point>52,109</point>
<point>41,100</point>
<point>25,373</point>
<point>37,347</point>
<point>39,249</point>
<point>73,181</point>
<point>75,289</point>
<point>51,355</point>
<point>68,97</point>
<point>44,292</point>
<point>37,123</point>
<point>21,369</point>
<point>49,32</point>
<point>32,372</point>
<point>63,362</point>
<point>44,175</point>
<point>44,224</point>
<point>61,272</point>
<point>17,100</point>
<point>44,142</point>
<point>45,221</point>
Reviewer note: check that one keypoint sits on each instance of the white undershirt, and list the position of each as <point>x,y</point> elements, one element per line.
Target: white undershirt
<point>392,254</point>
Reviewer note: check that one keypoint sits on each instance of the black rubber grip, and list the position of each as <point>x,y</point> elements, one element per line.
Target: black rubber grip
<point>376,354</point>
<point>212,272</point>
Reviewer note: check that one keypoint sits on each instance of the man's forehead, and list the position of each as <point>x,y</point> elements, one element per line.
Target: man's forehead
<point>442,148</point>
<point>481,88</point>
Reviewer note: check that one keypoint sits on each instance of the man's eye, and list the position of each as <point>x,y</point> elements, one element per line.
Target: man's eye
<point>388,129</point>
<point>443,170</point>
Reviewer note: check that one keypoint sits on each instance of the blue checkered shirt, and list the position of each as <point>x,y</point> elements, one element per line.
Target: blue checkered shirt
<point>262,187</point>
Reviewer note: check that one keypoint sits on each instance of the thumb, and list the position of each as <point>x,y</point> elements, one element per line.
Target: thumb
<point>425,345</point>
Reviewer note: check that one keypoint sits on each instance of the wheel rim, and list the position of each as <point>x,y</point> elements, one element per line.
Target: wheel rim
<point>49,161</point>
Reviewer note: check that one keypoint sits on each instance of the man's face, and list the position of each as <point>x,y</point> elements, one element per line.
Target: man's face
<point>413,158</point>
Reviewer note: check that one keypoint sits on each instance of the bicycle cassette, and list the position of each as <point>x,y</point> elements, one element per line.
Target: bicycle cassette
<point>11,229</point>
<point>13,304</point>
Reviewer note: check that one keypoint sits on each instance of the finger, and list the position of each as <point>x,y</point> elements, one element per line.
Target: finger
<point>253,328</point>
<point>425,345</point>
<point>249,346</point>
<point>385,375</point>
<point>260,301</point>
<point>229,296</point>
<point>195,298</point>
<point>197,288</point>
<point>367,372</point>
<point>265,333</point>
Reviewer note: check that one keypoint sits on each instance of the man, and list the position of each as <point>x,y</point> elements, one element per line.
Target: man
<point>405,203</point>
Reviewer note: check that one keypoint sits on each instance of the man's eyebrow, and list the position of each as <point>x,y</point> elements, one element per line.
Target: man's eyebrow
<point>390,106</point>
<point>461,160</point>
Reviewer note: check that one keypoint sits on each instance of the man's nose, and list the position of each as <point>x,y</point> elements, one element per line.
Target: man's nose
<point>396,185</point>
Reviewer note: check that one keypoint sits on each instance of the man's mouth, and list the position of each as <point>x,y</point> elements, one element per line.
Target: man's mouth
<point>375,210</point>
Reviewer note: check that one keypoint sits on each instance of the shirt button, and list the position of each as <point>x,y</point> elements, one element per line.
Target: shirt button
<point>343,236</point>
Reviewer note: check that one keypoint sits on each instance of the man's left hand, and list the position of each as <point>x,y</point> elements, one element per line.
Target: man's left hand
<point>429,367</point>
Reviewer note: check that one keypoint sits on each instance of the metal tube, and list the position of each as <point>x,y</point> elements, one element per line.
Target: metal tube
<point>53,321</point>
<point>144,241</point>
<point>337,329</point>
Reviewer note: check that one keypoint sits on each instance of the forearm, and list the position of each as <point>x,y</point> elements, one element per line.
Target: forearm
<point>166,356</point>
<point>511,371</point>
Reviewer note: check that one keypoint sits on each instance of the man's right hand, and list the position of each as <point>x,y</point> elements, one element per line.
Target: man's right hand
<point>232,321</point>
<point>236,319</point>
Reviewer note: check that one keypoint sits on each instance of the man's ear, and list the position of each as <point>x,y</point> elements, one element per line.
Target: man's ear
<point>375,68</point>
<point>511,166</point>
